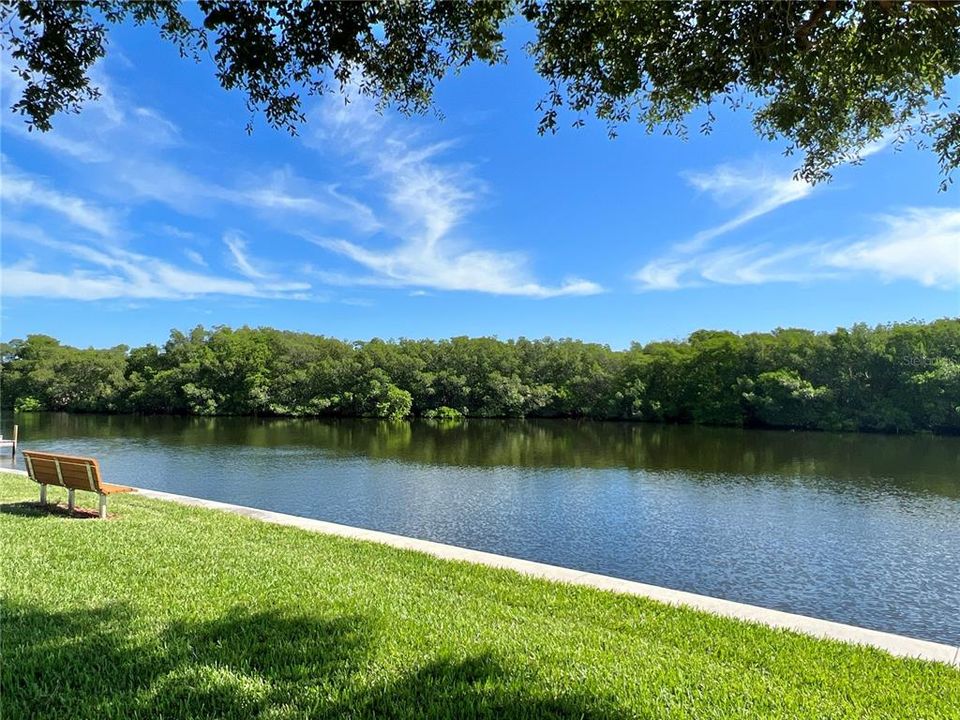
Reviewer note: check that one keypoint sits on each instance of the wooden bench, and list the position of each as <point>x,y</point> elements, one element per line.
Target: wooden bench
<point>73,473</point>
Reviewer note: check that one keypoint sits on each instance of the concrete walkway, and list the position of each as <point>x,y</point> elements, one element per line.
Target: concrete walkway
<point>894,644</point>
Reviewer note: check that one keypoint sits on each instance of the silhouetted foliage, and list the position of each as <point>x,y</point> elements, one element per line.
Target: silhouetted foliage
<point>827,77</point>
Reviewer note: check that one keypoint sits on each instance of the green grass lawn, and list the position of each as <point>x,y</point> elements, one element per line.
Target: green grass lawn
<point>173,612</point>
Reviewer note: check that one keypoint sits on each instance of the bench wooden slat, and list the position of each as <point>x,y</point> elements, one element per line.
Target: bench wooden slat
<point>69,471</point>
<point>66,474</point>
<point>108,489</point>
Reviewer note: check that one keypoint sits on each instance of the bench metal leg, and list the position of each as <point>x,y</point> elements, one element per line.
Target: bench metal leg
<point>43,494</point>
<point>71,502</point>
<point>103,507</point>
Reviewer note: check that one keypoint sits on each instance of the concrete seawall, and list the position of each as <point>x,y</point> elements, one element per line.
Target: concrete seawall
<point>889,642</point>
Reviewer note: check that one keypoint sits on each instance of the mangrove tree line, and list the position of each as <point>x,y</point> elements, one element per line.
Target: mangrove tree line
<point>889,378</point>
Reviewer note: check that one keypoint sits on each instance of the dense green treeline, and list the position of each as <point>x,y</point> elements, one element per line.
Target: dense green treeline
<point>893,378</point>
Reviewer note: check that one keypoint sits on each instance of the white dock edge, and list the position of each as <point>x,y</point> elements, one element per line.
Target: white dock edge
<point>893,644</point>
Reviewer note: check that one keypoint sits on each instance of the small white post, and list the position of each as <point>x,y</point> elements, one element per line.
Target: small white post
<point>43,494</point>
<point>103,506</point>
<point>70,499</point>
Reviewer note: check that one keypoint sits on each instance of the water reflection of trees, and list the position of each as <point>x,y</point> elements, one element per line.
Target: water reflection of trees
<point>920,462</point>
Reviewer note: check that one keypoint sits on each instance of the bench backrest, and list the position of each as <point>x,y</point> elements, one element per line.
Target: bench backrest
<point>80,473</point>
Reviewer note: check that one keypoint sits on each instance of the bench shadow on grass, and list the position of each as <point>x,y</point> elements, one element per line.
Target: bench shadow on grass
<point>102,663</point>
<point>34,509</point>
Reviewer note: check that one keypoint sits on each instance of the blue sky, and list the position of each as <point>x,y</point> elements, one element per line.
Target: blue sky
<point>153,209</point>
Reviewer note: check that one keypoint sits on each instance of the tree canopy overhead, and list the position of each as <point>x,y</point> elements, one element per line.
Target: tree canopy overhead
<point>828,78</point>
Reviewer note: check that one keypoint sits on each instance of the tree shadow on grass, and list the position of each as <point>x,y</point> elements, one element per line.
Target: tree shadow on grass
<point>104,663</point>
<point>478,686</point>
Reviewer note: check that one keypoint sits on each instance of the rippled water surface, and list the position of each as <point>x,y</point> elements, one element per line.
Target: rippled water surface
<point>862,529</point>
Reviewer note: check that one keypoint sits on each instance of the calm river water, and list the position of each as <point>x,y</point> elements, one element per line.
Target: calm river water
<point>862,529</point>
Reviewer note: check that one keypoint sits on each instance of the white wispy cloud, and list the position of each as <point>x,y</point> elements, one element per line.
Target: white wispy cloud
<point>163,132</point>
<point>921,245</point>
<point>238,251</point>
<point>752,191</point>
<point>285,191</point>
<point>130,155</point>
<point>108,130</point>
<point>132,151</point>
<point>755,190</point>
<point>429,265</point>
<point>280,195</point>
<point>110,272</point>
<point>20,189</point>
<point>429,199</point>
<point>195,257</point>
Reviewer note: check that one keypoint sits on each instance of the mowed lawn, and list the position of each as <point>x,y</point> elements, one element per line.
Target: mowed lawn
<point>172,612</point>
